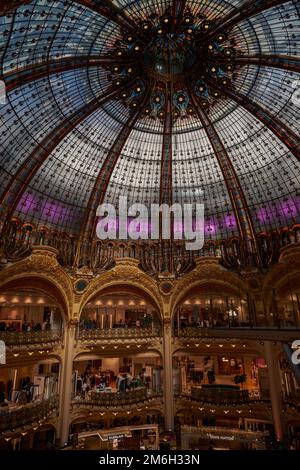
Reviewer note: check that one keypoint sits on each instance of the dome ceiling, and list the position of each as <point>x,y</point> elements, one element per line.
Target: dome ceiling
<point>162,101</point>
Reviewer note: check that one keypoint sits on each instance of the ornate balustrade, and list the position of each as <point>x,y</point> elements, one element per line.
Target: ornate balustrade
<point>222,395</point>
<point>15,338</point>
<point>15,417</point>
<point>264,332</point>
<point>18,239</point>
<point>119,333</point>
<point>111,399</point>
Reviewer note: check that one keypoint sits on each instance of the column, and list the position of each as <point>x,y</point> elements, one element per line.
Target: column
<point>168,376</point>
<point>274,387</point>
<point>66,382</point>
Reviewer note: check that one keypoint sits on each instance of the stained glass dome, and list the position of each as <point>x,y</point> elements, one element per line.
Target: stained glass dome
<point>160,101</point>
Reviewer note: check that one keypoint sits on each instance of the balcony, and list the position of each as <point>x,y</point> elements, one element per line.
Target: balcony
<point>222,395</point>
<point>32,338</point>
<point>243,332</point>
<point>117,400</point>
<point>12,417</point>
<point>119,333</point>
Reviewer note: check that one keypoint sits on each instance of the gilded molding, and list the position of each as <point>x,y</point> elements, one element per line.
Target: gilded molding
<point>126,271</point>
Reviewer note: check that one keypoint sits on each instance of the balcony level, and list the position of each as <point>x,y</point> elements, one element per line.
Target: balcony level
<point>35,339</point>
<point>13,417</point>
<point>245,332</point>
<point>129,400</point>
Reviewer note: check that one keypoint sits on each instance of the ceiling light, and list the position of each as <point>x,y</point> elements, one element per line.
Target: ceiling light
<point>160,31</point>
<point>137,48</point>
<point>129,39</point>
<point>116,69</point>
<point>130,70</point>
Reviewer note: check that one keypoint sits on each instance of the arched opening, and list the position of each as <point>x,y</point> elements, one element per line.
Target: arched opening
<point>212,305</point>
<point>285,301</point>
<point>107,380</point>
<point>120,311</point>
<point>32,304</point>
<point>219,374</point>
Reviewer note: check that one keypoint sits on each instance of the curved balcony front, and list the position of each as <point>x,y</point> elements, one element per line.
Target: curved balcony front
<point>245,332</point>
<point>16,416</point>
<point>116,400</point>
<point>34,339</point>
<point>221,395</point>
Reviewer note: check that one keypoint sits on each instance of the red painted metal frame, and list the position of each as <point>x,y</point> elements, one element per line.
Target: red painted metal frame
<point>290,63</point>
<point>88,225</point>
<point>281,130</point>
<point>21,180</point>
<point>234,188</point>
<point>37,71</point>
<point>166,195</point>
<point>247,10</point>
<point>107,9</point>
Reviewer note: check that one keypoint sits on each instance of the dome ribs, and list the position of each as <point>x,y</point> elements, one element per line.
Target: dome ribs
<point>20,77</point>
<point>107,9</point>
<point>285,62</point>
<point>247,10</point>
<point>21,180</point>
<point>234,188</point>
<point>88,225</point>
<point>281,130</point>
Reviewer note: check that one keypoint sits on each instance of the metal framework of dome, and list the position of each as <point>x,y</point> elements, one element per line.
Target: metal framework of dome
<point>162,101</point>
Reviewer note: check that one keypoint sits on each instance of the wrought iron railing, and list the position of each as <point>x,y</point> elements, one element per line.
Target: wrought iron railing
<point>15,338</point>
<point>126,333</point>
<point>222,395</point>
<point>117,399</point>
<point>12,418</point>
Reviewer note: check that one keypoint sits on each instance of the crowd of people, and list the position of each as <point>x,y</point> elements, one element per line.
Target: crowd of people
<point>94,379</point>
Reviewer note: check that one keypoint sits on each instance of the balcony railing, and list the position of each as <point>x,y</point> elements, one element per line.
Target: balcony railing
<point>195,331</point>
<point>18,416</point>
<point>125,333</point>
<point>15,338</point>
<point>222,395</point>
<point>113,399</point>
